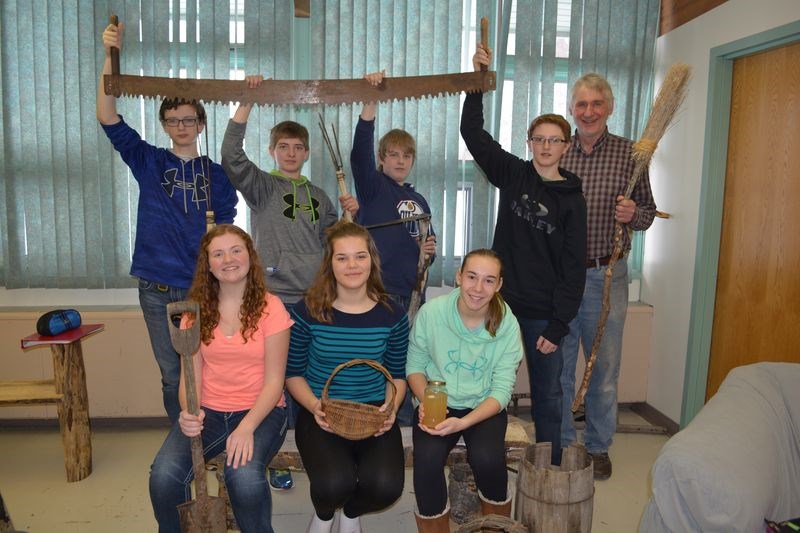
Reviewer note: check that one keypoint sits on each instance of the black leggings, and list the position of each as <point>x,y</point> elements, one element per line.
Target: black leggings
<point>486,455</point>
<point>362,476</point>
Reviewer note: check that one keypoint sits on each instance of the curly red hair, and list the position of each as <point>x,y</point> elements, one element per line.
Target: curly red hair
<point>205,287</point>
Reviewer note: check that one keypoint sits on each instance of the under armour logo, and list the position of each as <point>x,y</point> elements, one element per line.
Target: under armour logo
<point>171,182</point>
<point>293,207</point>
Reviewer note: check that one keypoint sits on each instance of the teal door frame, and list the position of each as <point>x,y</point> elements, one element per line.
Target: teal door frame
<point>711,200</point>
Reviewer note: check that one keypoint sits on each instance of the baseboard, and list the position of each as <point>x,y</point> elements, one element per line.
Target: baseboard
<point>142,422</point>
<point>655,417</point>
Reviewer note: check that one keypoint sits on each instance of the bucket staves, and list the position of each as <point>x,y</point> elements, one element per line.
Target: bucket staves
<point>555,499</point>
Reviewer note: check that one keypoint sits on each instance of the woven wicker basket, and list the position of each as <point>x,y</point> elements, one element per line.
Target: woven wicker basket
<point>355,420</point>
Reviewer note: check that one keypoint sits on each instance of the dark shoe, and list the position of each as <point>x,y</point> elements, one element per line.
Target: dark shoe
<point>280,479</point>
<point>602,465</point>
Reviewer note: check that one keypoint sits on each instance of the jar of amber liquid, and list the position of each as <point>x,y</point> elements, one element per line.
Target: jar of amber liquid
<point>434,404</point>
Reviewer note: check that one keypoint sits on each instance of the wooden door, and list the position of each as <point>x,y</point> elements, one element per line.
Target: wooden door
<point>757,310</point>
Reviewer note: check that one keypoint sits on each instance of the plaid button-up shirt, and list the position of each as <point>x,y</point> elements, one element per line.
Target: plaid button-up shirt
<point>605,172</point>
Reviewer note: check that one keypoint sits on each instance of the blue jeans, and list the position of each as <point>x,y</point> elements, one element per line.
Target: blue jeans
<point>153,298</point>
<point>544,373</point>
<point>171,473</point>
<point>601,397</point>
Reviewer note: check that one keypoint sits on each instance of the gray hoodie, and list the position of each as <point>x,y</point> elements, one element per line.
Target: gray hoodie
<point>288,218</point>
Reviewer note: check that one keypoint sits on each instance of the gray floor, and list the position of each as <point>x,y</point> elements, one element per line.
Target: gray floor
<point>114,497</point>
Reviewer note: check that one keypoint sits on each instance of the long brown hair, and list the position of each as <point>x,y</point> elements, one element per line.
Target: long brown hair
<point>322,292</point>
<point>205,286</point>
<point>497,306</point>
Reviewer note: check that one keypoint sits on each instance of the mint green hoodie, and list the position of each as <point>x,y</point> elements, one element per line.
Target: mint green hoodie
<point>474,364</point>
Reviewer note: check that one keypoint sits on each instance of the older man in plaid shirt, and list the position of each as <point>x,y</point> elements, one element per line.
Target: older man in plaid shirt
<point>603,162</point>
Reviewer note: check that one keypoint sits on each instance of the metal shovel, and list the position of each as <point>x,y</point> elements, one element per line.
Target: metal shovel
<point>204,514</point>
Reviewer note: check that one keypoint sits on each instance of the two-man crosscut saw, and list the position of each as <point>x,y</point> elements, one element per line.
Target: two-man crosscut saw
<point>296,92</point>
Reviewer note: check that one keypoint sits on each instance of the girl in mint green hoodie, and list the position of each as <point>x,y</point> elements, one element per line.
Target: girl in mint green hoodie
<point>471,340</point>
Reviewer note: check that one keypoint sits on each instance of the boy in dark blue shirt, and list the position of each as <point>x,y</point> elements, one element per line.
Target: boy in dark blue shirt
<point>384,196</point>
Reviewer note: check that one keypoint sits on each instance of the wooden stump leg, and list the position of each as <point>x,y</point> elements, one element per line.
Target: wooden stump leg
<point>217,464</point>
<point>73,410</point>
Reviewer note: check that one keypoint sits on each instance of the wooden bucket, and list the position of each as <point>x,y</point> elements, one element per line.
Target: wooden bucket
<point>555,499</point>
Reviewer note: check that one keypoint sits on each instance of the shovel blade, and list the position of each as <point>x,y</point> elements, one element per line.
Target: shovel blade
<point>206,514</point>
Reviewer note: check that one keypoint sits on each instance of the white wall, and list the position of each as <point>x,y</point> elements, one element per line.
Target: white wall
<point>64,298</point>
<point>676,180</point>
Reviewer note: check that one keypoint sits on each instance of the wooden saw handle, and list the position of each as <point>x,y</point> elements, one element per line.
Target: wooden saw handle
<point>113,19</point>
<point>485,37</point>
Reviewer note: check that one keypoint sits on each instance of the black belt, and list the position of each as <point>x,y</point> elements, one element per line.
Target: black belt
<point>597,263</point>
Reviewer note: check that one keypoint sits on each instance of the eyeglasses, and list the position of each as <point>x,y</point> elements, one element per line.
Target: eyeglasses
<point>187,121</point>
<point>536,139</point>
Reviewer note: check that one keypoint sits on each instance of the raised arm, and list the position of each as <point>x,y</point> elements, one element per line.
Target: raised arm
<point>242,112</point>
<point>106,103</point>
<point>374,79</point>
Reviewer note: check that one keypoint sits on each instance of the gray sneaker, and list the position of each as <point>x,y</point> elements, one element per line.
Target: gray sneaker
<point>602,465</point>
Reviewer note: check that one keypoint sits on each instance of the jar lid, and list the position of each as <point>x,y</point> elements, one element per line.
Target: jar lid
<point>437,383</point>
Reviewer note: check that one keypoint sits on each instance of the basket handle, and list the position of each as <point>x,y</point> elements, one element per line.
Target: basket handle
<point>369,362</point>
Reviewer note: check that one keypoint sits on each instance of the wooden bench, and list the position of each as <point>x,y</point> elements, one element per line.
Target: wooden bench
<point>288,458</point>
<point>67,390</point>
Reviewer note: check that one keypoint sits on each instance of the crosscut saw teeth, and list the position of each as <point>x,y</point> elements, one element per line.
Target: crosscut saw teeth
<point>302,92</point>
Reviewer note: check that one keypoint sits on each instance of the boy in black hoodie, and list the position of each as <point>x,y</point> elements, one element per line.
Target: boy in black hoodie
<point>541,237</point>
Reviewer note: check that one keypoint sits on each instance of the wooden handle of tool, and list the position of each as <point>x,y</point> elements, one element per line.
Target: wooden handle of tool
<point>198,462</point>
<point>342,191</point>
<point>485,37</point>
<point>113,19</point>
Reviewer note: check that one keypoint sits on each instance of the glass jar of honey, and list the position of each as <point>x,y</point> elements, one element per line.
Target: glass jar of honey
<point>434,404</point>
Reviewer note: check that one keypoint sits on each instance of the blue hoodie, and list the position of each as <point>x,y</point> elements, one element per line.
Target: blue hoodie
<point>474,364</point>
<point>173,199</point>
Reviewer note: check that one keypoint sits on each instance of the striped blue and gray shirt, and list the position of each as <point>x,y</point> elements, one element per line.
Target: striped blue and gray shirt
<point>316,349</point>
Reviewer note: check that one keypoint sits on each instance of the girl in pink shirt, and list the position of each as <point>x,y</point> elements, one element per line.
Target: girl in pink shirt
<point>240,370</point>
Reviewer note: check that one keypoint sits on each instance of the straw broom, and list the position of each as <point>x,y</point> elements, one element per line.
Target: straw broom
<point>669,99</point>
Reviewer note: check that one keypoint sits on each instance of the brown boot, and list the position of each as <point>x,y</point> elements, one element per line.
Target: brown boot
<point>491,507</point>
<point>434,524</point>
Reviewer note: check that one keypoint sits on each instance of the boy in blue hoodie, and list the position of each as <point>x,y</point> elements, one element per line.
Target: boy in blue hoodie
<point>384,196</point>
<point>176,188</point>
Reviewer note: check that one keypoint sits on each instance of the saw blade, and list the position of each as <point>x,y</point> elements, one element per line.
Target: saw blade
<point>302,92</point>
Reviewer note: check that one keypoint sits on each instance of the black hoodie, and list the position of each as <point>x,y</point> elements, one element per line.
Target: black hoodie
<point>540,233</point>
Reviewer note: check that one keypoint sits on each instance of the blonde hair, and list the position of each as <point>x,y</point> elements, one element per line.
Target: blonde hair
<point>403,140</point>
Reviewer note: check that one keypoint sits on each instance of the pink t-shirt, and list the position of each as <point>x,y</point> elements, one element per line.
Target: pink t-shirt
<point>233,370</point>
